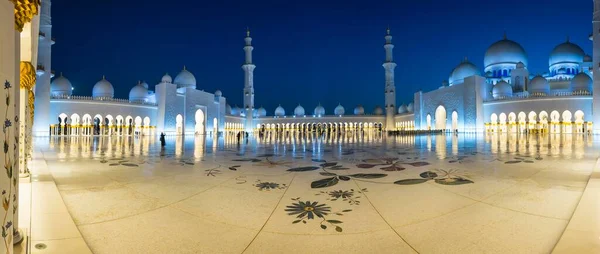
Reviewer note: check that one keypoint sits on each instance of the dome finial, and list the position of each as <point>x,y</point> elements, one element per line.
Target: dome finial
<point>61,74</point>
<point>103,77</point>
<point>567,38</point>
<point>247,32</point>
<point>388,29</point>
<point>504,36</point>
<point>184,67</point>
<point>466,59</point>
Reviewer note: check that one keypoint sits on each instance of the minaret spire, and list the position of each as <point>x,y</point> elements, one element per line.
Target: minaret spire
<point>248,68</point>
<point>390,88</point>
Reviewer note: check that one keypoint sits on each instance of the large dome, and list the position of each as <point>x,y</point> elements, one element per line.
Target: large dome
<point>319,110</point>
<point>378,111</point>
<point>279,111</point>
<point>463,70</point>
<point>359,110</point>
<point>581,82</point>
<point>539,85</point>
<point>218,93</point>
<point>339,110</point>
<point>103,89</point>
<point>166,78</point>
<point>410,107</point>
<point>138,93</point>
<point>566,52</point>
<point>502,90</point>
<point>236,111</point>
<point>61,86</point>
<point>262,112</point>
<point>504,51</point>
<point>402,109</point>
<point>185,79</point>
<point>299,111</point>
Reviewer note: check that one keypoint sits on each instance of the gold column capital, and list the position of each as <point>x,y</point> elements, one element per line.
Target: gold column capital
<point>24,12</point>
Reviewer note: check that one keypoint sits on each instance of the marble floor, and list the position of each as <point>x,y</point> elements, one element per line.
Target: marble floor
<point>466,193</point>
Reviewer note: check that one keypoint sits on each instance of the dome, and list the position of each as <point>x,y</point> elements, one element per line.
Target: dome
<point>319,110</point>
<point>166,79</point>
<point>566,52</point>
<point>228,109</point>
<point>138,93</point>
<point>402,109</point>
<point>359,110</point>
<point>587,58</point>
<point>502,90</point>
<point>279,111</point>
<point>339,110</point>
<point>520,65</point>
<point>61,86</point>
<point>185,79</point>
<point>262,112</point>
<point>236,111</point>
<point>218,93</point>
<point>581,82</point>
<point>378,111</point>
<point>504,51</point>
<point>463,70</point>
<point>299,111</point>
<point>410,107</point>
<point>539,84</point>
<point>103,89</point>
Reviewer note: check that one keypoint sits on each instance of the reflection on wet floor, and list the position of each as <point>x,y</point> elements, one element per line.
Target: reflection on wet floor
<point>566,146</point>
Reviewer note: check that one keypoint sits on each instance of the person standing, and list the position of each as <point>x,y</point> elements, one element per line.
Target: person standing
<point>162,139</point>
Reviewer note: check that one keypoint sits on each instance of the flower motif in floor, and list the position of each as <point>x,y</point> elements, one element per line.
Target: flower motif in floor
<point>307,210</point>
<point>439,176</point>
<point>345,195</point>
<point>271,163</point>
<point>266,186</point>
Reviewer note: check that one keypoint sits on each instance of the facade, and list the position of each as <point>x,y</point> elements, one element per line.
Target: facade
<point>503,96</point>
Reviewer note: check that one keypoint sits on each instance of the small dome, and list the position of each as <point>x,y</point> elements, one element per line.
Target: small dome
<point>359,110</point>
<point>378,111</point>
<point>103,89</point>
<point>402,109</point>
<point>299,111</point>
<point>502,90</point>
<point>520,65</point>
<point>587,58</point>
<point>185,79</point>
<point>262,112</point>
<point>566,52</point>
<point>581,82</point>
<point>539,84</point>
<point>319,110</point>
<point>504,51</point>
<point>228,109</point>
<point>218,93</point>
<point>145,85</point>
<point>236,111</point>
<point>279,111</point>
<point>463,70</point>
<point>166,79</point>
<point>61,86</point>
<point>410,107</point>
<point>138,93</point>
<point>339,110</point>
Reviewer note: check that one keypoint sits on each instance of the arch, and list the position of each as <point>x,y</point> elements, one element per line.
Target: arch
<point>532,117</point>
<point>494,118</point>
<point>110,120</point>
<point>555,116</point>
<point>512,117</point>
<point>522,117</point>
<point>440,118</point>
<point>128,120</point>
<point>62,118</point>
<point>87,119</point>
<point>119,119</point>
<point>216,126</point>
<point>579,116</point>
<point>428,121</point>
<point>146,121</point>
<point>502,118</point>
<point>75,119</point>
<point>138,121</point>
<point>200,119</point>
<point>454,120</point>
<point>543,117</point>
<point>179,124</point>
<point>566,116</point>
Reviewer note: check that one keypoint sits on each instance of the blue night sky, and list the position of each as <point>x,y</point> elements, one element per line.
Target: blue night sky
<point>305,52</point>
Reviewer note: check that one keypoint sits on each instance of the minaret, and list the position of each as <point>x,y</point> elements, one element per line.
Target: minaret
<point>390,88</point>
<point>248,68</point>
<point>596,67</point>
<point>41,121</point>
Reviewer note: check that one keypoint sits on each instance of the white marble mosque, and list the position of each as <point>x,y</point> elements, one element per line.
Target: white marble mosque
<point>502,97</point>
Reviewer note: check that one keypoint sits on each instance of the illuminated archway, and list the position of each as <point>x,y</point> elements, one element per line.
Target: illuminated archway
<point>179,124</point>
<point>199,117</point>
<point>454,121</point>
<point>428,121</point>
<point>579,116</point>
<point>440,118</point>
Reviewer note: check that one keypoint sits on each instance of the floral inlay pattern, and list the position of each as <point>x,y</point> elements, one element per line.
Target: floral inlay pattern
<point>307,210</point>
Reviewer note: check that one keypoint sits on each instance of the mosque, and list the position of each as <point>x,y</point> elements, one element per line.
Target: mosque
<point>504,97</point>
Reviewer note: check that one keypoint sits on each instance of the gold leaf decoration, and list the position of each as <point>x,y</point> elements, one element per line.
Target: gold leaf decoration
<point>24,12</point>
